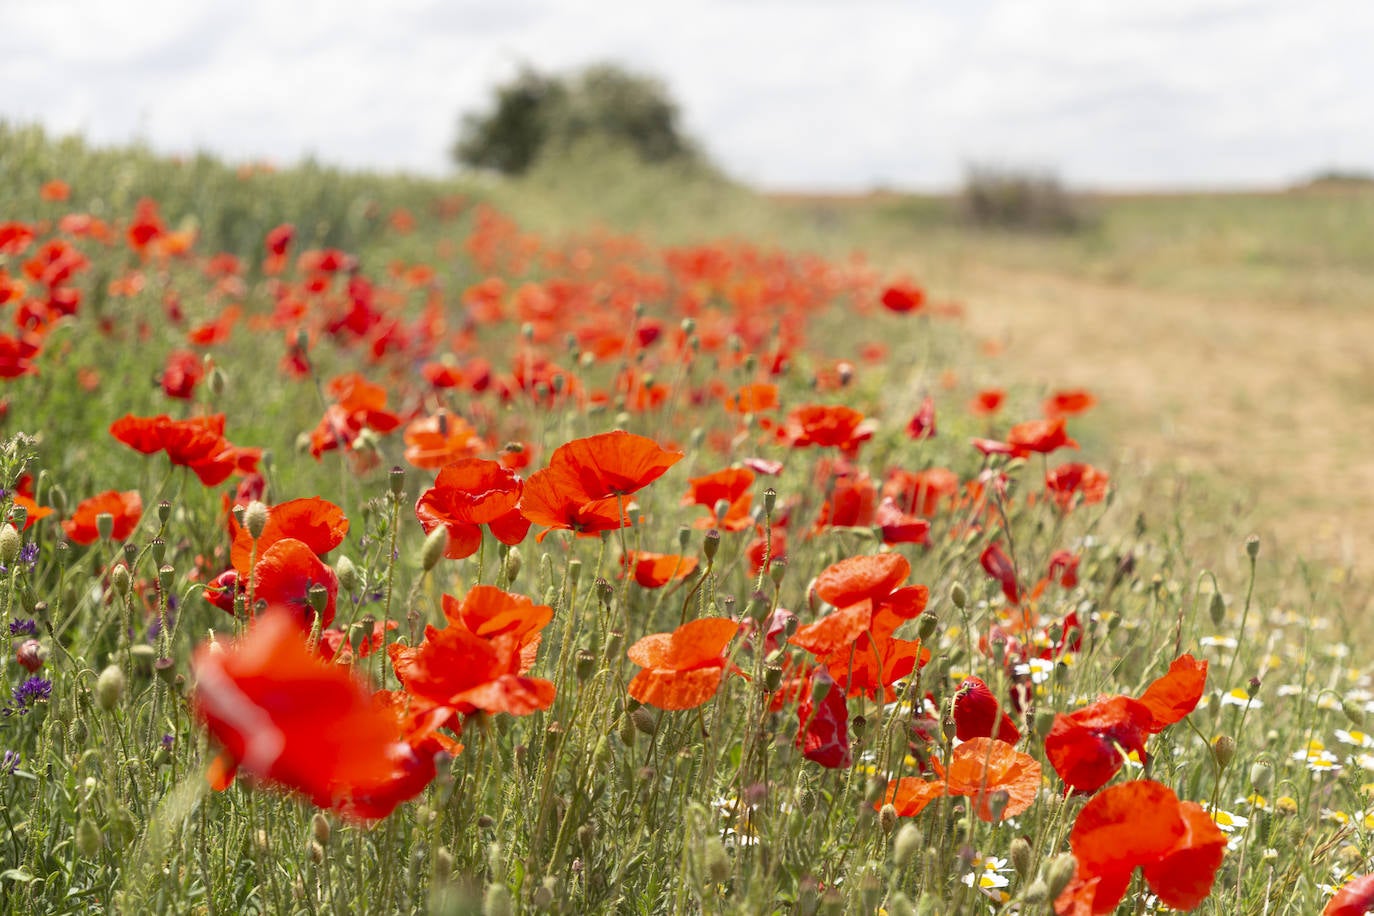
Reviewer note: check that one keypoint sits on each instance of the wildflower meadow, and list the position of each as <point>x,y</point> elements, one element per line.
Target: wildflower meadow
<point>365,551</point>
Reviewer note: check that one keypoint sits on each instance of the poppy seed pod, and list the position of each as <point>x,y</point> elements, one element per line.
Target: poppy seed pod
<point>255,518</point>
<point>104,525</point>
<point>711,544</point>
<point>1224,750</point>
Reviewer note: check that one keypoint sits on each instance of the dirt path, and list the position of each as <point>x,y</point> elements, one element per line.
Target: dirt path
<point>1275,400</point>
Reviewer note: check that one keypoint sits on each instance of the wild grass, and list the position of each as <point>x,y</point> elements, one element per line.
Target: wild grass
<point>599,804</point>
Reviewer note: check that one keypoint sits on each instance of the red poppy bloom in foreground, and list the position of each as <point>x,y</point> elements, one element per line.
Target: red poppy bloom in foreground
<point>682,669</point>
<point>126,508</point>
<point>291,718</point>
<point>977,714</point>
<point>982,769</point>
<point>197,443</point>
<point>1354,899</point>
<point>1141,824</point>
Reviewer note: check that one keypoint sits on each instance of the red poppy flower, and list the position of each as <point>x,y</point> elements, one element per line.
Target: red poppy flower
<point>293,719</point>
<point>197,443</point>
<point>441,439</point>
<point>1042,436</point>
<point>1176,694</point>
<point>823,729</point>
<point>315,522</point>
<point>15,237</point>
<point>24,496</point>
<point>1355,898</point>
<point>489,612</point>
<point>468,494</point>
<point>1063,482</point>
<point>682,669</point>
<point>458,669</point>
<point>903,298</point>
<point>987,402</point>
<point>827,426</point>
<point>55,190</point>
<point>1068,403</point>
<point>284,575</point>
<point>1141,824</point>
<point>921,492</point>
<point>1088,747</point>
<point>1064,568</point>
<point>999,566</point>
<point>755,398</point>
<point>922,425</point>
<point>730,486</point>
<point>1000,779</point>
<point>655,570</point>
<point>898,527</point>
<point>183,372</point>
<point>583,487</point>
<point>126,508</point>
<point>977,714</point>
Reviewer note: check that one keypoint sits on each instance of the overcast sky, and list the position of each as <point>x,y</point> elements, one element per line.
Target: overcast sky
<point>797,94</point>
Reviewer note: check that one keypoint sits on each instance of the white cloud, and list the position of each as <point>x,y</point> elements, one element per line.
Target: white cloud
<point>800,94</point>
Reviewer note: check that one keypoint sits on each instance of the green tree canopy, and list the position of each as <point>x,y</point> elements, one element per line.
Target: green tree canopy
<point>535,114</point>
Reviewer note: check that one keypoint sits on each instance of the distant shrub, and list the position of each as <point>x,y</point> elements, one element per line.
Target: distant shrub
<point>1018,199</point>
<point>536,114</point>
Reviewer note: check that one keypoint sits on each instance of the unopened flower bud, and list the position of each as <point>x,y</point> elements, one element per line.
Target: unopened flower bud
<point>11,542</point>
<point>958,595</point>
<point>1037,893</point>
<point>104,525</point>
<point>433,551</point>
<point>1216,608</point>
<point>643,719</point>
<point>497,901</point>
<point>1252,545</point>
<point>776,570</point>
<point>1060,873</point>
<point>31,655</point>
<point>1354,712</point>
<point>1261,775</point>
<point>906,844</point>
<point>319,828</point>
<point>1223,750</point>
<point>1022,857</point>
<point>347,574</point>
<point>89,839</point>
<point>887,818</point>
<point>109,688</point>
<point>513,561</point>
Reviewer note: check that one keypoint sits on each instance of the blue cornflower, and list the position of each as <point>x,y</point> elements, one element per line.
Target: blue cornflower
<point>30,692</point>
<point>24,627</point>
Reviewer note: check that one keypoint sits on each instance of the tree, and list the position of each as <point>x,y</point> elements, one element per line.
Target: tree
<point>536,114</point>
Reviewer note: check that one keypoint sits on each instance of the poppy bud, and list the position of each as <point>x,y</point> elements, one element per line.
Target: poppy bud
<point>1217,609</point>
<point>109,688</point>
<point>319,828</point>
<point>104,525</point>
<point>711,544</point>
<point>1021,857</point>
<point>643,719</point>
<point>433,551</point>
<point>443,863</point>
<point>31,655</point>
<point>716,862</point>
<point>255,518</point>
<point>10,543</point>
<point>1261,775</point>
<point>958,595</point>
<point>1223,750</point>
<point>512,564</point>
<point>905,844</point>
<point>497,902</point>
<point>545,894</point>
<point>77,733</point>
<point>1037,893</point>
<point>89,839</point>
<point>574,571</point>
<point>216,381</point>
<point>1354,712</point>
<point>1060,873</point>
<point>887,818</point>
<point>347,574</point>
<point>899,904</point>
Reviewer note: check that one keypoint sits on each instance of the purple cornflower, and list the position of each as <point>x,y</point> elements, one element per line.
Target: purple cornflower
<point>29,554</point>
<point>10,763</point>
<point>31,691</point>
<point>25,626</point>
